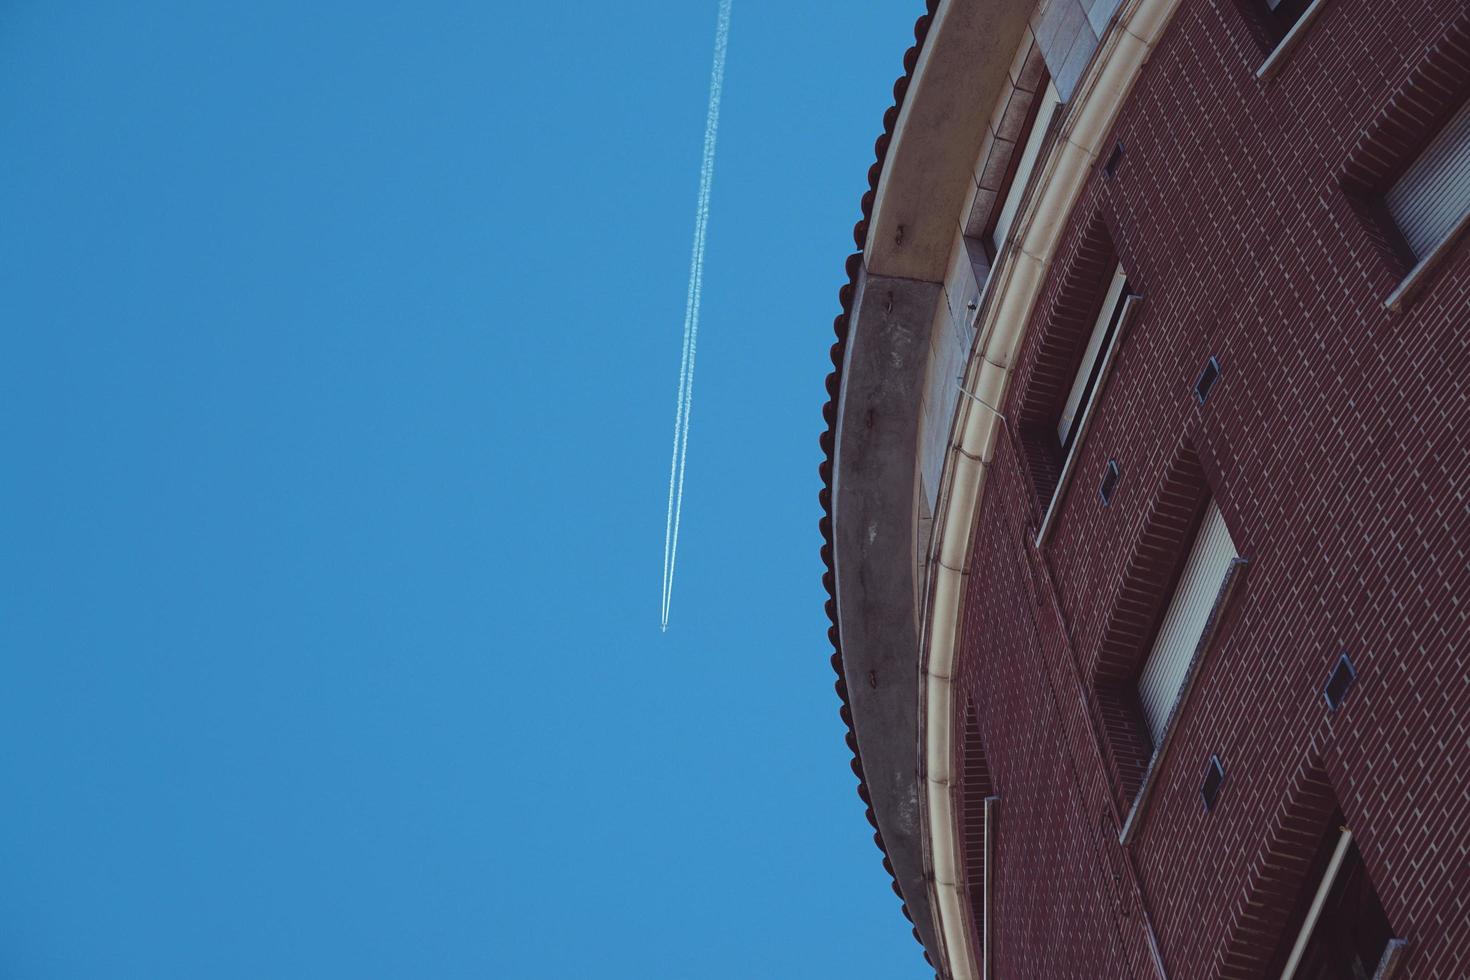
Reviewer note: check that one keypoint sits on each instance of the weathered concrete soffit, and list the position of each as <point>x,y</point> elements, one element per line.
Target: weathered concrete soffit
<point>911,214</point>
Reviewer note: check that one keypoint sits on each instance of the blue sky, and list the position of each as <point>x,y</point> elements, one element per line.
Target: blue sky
<point>341,343</point>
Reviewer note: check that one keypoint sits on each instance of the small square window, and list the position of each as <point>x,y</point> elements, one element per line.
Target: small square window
<point>1114,159</point>
<point>1110,481</point>
<point>1207,379</point>
<point>1339,683</point>
<point>1214,779</point>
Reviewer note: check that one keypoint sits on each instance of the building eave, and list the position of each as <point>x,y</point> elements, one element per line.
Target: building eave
<point>924,166</point>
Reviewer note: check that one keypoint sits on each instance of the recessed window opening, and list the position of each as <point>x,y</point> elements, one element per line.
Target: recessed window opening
<point>1339,928</point>
<point>1114,158</point>
<point>1084,384</point>
<point>1087,325</point>
<point>1023,161</point>
<point>1433,196</point>
<point>1167,667</point>
<point>976,806</point>
<point>1407,177</point>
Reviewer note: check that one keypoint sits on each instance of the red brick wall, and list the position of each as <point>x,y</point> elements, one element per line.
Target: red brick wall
<point>1338,446</point>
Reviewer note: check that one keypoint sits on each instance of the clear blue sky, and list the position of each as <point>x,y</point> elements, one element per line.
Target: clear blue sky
<point>341,342</point>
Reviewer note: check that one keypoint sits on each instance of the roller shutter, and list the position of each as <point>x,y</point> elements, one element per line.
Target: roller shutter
<point>1434,192</point>
<point>1165,670</point>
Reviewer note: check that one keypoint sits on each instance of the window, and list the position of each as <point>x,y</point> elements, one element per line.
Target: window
<point>1172,602</point>
<point>1432,198</point>
<point>1167,667</point>
<point>1282,15</point>
<point>1277,26</point>
<point>1093,364</point>
<point>1084,383</point>
<point>1023,160</point>
<point>1310,910</point>
<point>977,803</point>
<point>1068,369</point>
<point>1339,928</point>
<point>1407,177</point>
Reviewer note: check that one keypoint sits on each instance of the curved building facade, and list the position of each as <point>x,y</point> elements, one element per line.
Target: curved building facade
<point>1147,489</point>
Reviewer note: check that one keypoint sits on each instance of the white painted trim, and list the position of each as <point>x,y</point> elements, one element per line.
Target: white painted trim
<point>1000,327</point>
<point>1318,900</point>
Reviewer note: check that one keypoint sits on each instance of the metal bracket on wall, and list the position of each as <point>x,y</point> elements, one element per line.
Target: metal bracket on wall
<point>978,400</point>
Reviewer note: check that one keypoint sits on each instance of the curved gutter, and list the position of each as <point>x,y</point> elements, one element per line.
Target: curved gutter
<point>1000,326</point>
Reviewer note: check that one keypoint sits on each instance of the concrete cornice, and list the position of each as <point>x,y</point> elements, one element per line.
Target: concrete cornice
<point>928,168</point>
<point>924,177</point>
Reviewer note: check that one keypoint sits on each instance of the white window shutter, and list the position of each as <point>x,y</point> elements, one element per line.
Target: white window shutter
<point>1167,666</point>
<point>1434,193</point>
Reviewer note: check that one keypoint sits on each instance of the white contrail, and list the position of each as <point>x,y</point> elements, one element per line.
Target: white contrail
<point>685,397</point>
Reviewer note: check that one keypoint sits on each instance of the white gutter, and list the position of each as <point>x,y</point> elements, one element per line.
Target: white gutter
<point>1057,183</point>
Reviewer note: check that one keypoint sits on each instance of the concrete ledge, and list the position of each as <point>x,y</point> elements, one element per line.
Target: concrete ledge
<point>873,545</point>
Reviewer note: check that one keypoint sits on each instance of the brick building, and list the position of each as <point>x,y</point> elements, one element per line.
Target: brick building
<point>1147,489</point>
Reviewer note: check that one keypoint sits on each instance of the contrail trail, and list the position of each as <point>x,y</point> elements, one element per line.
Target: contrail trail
<point>685,397</point>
